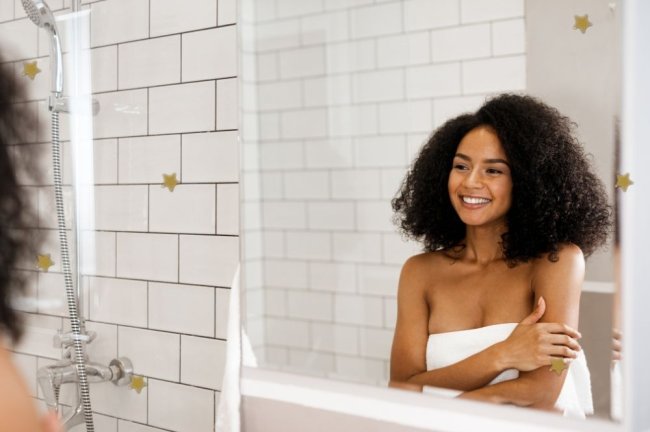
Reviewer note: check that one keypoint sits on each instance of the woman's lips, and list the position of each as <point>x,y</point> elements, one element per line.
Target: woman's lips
<point>474,202</point>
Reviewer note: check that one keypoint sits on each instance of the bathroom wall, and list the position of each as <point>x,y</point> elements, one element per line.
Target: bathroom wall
<point>338,98</point>
<point>157,290</point>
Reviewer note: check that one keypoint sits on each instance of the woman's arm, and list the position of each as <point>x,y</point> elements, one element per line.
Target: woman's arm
<point>408,355</point>
<point>560,284</point>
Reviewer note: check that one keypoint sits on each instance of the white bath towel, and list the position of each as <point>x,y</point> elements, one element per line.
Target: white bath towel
<point>228,419</point>
<point>443,349</point>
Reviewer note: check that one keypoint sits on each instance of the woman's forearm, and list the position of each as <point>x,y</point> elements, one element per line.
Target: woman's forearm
<point>537,389</point>
<point>468,374</point>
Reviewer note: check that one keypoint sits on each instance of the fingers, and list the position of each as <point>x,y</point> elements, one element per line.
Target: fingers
<point>537,313</point>
<point>616,344</point>
<point>562,351</point>
<point>558,328</point>
<point>562,339</point>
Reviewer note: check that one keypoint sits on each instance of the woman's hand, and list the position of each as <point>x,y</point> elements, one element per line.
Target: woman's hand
<point>616,344</point>
<point>532,345</point>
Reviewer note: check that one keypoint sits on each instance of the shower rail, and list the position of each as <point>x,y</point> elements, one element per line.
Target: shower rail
<point>75,367</point>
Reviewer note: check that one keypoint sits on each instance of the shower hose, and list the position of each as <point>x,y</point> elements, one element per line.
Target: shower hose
<point>75,321</point>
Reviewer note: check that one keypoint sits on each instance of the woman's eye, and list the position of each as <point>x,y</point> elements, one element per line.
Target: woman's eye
<point>493,171</point>
<point>460,167</point>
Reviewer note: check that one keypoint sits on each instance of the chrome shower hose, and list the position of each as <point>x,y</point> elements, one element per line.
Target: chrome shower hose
<point>75,321</point>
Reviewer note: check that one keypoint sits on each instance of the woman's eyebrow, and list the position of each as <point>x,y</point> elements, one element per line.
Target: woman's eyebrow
<point>496,161</point>
<point>469,159</point>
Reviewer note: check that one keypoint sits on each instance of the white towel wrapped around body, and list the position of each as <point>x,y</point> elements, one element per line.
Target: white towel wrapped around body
<point>444,349</point>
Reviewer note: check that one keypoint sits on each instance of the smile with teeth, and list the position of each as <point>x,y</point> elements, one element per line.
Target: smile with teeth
<point>474,200</point>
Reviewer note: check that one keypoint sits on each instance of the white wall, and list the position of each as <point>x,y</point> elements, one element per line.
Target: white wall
<point>165,75</point>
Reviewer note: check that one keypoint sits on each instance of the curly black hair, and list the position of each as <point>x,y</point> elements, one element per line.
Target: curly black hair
<point>556,197</point>
<point>17,242</point>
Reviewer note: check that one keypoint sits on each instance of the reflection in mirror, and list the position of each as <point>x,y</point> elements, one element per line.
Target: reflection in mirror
<point>505,204</point>
<point>338,100</point>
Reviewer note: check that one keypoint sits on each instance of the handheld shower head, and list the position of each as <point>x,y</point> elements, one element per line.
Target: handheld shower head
<point>42,16</point>
<point>39,12</point>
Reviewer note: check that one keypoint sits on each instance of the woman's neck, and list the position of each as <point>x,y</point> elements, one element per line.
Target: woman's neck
<point>483,245</point>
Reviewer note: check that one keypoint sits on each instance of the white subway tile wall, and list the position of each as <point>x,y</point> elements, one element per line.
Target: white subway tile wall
<point>203,360</point>
<point>104,71</point>
<point>220,61</point>
<point>342,94</point>
<point>153,353</point>
<point>227,104</point>
<point>149,62</point>
<point>180,407</point>
<point>158,263</point>
<point>182,108</point>
<point>112,22</point>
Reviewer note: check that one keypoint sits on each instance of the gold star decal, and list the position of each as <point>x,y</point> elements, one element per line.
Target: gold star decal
<point>582,23</point>
<point>623,181</point>
<point>558,365</point>
<point>44,262</point>
<point>138,383</point>
<point>170,181</point>
<point>30,69</point>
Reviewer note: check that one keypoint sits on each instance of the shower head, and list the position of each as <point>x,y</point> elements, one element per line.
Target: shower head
<point>39,13</point>
<point>42,16</point>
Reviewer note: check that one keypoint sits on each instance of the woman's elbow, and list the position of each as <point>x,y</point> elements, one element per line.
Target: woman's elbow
<point>546,402</point>
<point>405,385</point>
<point>544,394</point>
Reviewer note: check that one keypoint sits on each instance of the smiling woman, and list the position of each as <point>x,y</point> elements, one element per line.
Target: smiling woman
<point>506,205</point>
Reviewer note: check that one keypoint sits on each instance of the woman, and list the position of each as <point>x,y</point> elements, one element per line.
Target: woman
<point>507,207</point>
<point>17,244</point>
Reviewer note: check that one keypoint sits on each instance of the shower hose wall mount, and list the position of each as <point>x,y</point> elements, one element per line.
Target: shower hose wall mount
<point>75,366</point>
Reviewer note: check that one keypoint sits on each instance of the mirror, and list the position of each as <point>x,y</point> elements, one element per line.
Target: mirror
<point>338,98</point>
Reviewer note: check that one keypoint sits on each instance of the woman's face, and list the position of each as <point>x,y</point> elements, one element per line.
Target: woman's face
<point>480,185</point>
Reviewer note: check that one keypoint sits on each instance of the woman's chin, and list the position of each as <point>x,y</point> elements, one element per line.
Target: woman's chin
<point>472,218</point>
<point>479,221</point>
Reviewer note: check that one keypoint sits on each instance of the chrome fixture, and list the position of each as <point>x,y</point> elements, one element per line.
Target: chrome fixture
<point>41,15</point>
<point>52,377</point>
<point>75,367</point>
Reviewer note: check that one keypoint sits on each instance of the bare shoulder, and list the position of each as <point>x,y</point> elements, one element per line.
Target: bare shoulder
<point>417,270</point>
<point>421,265</point>
<point>569,256</point>
<point>564,271</point>
<point>418,263</point>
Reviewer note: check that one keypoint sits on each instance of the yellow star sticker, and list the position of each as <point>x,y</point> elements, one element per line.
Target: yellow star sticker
<point>170,181</point>
<point>30,69</point>
<point>558,365</point>
<point>623,181</point>
<point>138,383</point>
<point>582,23</point>
<point>44,262</point>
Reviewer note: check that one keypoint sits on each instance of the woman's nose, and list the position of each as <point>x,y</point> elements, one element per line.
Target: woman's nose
<point>473,179</point>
